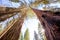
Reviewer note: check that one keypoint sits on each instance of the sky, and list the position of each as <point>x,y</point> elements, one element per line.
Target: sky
<point>4,23</point>
<point>32,25</point>
<point>16,5</point>
<point>8,3</point>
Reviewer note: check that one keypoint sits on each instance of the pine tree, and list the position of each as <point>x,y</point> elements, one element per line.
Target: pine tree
<point>21,37</point>
<point>26,36</point>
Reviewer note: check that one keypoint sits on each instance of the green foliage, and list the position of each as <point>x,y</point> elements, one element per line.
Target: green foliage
<point>21,37</point>
<point>26,36</point>
<point>45,2</point>
<point>14,0</point>
<point>38,2</point>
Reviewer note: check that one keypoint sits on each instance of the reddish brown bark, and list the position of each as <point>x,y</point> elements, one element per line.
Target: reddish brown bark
<point>50,22</point>
<point>14,32</point>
